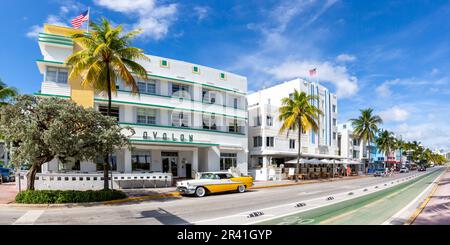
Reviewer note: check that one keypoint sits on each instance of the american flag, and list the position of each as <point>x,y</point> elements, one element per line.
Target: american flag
<point>313,72</point>
<point>80,19</point>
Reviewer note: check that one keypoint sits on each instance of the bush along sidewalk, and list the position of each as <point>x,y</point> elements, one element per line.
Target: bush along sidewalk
<point>59,196</point>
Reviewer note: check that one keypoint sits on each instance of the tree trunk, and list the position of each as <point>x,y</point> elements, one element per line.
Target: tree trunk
<point>368,155</point>
<point>106,174</point>
<point>297,168</point>
<point>106,163</point>
<point>31,176</point>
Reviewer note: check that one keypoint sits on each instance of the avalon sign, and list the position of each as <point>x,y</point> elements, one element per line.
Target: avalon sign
<point>166,136</point>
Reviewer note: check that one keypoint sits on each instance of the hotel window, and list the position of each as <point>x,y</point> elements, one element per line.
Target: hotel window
<point>180,119</point>
<point>141,160</point>
<point>147,87</point>
<point>223,76</point>
<point>334,108</point>
<point>334,135</point>
<point>209,122</point>
<point>235,103</point>
<point>334,121</point>
<point>228,160</point>
<point>100,160</point>
<point>57,75</point>
<point>291,96</point>
<point>233,126</point>
<point>269,121</point>
<point>269,141</point>
<point>291,144</point>
<point>146,116</point>
<point>208,96</point>
<point>103,109</point>
<point>257,141</point>
<point>179,90</point>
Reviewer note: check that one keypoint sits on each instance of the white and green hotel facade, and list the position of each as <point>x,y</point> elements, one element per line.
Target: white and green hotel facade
<point>187,118</point>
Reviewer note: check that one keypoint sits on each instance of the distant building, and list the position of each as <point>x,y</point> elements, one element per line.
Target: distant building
<point>267,147</point>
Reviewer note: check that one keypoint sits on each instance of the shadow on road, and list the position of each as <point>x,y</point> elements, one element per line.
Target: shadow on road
<point>164,217</point>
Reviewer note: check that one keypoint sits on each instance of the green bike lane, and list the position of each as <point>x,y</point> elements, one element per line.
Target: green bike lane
<point>371,209</point>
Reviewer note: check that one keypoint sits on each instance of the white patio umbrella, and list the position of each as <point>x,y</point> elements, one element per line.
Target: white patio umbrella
<point>302,161</point>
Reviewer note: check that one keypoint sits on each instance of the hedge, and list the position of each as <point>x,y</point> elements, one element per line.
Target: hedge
<point>59,196</point>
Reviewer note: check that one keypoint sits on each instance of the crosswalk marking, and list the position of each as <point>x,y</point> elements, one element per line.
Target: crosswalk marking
<point>29,217</point>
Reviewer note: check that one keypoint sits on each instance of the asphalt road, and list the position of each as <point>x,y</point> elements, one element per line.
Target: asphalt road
<point>229,208</point>
<point>372,209</point>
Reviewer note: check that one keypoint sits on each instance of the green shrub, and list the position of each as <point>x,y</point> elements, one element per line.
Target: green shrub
<point>57,196</point>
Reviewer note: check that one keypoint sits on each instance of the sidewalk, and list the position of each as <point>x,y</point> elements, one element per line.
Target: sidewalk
<point>7,192</point>
<point>437,210</point>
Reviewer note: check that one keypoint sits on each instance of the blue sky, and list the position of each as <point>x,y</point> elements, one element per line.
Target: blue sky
<point>388,55</point>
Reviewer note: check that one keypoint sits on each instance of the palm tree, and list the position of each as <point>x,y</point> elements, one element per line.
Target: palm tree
<point>365,127</point>
<point>107,56</point>
<point>6,93</point>
<point>297,113</point>
<point>385,142</point>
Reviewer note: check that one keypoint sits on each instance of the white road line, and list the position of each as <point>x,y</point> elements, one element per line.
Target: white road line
<point>398,214</point>
<point>29,217</point>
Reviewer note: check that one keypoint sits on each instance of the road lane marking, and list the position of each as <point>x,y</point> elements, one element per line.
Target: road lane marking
<point>29,217</point>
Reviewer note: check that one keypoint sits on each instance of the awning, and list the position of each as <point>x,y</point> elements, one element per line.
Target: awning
<point>310,161</point>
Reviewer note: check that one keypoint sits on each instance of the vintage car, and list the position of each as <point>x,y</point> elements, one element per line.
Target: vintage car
<point>214,182</point>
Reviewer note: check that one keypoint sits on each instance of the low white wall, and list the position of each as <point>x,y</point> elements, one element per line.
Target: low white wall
<point>94,181</point>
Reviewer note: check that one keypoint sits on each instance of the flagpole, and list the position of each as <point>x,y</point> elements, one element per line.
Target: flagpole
<point>89,19</point>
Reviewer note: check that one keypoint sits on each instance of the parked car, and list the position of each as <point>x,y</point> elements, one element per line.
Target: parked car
<point>421,169</point>
<point>7,175</point>
<point>214,182</point>
<point>380,172</point>
<point>404,170</point>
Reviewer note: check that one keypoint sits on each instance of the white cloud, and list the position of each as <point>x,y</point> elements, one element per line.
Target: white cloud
<point>345,58</point>
<point>434,72</point>
<point>395,114</point>
<point>201,12</point>
<point>346,85</point>
<point>432,135</point>
<point>36,29</point>
<point>153,19</point>
<point>384,90</point>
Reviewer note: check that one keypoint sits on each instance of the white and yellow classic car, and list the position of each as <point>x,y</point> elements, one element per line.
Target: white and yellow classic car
<point>214,182</point>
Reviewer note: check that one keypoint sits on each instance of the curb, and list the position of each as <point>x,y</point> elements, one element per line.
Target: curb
<point>153,197</point>
<point>419,210</point>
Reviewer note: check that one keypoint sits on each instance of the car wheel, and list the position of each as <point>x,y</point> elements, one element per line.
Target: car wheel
<point>241,189</point>
<point>200,192</point>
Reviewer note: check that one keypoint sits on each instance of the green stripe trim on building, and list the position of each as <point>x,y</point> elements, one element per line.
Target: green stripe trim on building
<point>53,35</point>
<point>175,142</point>
<point>58,43</point>
<point>52,62</point>
<point>56,38</point>
<point>168,107</point>
<point>174,97</point>
<point>181,128</point>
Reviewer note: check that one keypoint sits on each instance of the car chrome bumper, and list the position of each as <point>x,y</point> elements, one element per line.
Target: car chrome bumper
<point>185,190</point>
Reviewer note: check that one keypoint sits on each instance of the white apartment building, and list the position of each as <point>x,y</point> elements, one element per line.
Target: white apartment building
<point>267,147</point>
<point>350,147</point>
<point>188,118</point>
